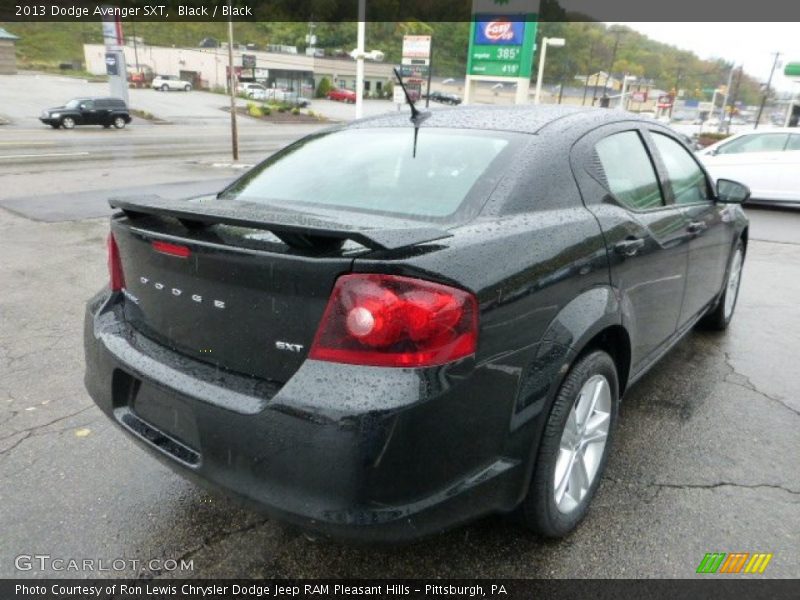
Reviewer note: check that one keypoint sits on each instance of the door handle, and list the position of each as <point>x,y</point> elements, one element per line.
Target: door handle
<point>629,247</point>
<point>697,227</point>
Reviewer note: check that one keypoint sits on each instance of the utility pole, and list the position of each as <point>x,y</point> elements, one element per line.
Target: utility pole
<point>586,83</point>
<point>232,90</point>
<point>725,99</point>
<point>617,34</point>
<point>361,34</point>
<point>135,47</point>
<point>677,87</point>
<point>766,91</point>
<point>735,97</point>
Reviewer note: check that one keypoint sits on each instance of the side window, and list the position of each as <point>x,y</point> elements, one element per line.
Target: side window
<point>628,171</point>
<point>685,176</point>
<point>794,143</point>
<point>757,142</point>
<point>87,105</point>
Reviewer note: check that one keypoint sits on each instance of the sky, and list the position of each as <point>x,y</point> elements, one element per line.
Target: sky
<point>750,44</point>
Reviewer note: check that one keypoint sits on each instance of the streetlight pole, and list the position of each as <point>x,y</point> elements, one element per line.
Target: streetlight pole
<point>232,90</point>
<point>362,17</point>
<point>766,91</point>
<point>556,43</point>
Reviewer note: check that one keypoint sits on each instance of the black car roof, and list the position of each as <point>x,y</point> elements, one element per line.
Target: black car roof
<point>521,118</point>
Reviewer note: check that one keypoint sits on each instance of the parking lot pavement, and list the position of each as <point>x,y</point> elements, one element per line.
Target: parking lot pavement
<point>24,95</point>
<point>705,458</point>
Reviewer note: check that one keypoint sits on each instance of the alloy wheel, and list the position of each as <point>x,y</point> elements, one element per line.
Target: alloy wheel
<point>583,444</point>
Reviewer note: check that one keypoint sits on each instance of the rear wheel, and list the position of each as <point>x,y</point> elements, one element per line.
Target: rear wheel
<point>574,447</point>
<point>187,88</point>
<point>165,88</point>
<point>722,314</point>
<point>119,122</point>
<point>68,123</point>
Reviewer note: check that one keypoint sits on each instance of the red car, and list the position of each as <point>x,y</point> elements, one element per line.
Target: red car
<point>342,95</point>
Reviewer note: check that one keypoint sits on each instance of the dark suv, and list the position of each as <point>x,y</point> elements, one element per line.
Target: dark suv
<point>88,111</point>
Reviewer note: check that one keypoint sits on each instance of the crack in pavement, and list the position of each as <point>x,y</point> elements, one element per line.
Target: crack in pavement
<point>749,385</point>
<point>703,486</point>
<point>208,542</point>
<point>32,430</point>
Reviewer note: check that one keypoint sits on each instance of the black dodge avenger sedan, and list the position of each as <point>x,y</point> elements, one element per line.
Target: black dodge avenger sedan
<point>439,325</point>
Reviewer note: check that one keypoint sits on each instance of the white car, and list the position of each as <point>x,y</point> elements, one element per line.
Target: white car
<point>166,83</point>
<point>278,95</point>
<point>767,161</point>
<point>251,90</point>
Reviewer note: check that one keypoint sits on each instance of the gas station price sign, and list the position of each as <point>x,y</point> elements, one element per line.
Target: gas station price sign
<point>501,45</point>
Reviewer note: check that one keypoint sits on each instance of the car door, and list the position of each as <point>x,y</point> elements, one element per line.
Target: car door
<point>787,176</point>
<point>709,224</point>
<point>645,236</point>
<point>752,159</point>
<point>102,111</point>
<point>88,113</point>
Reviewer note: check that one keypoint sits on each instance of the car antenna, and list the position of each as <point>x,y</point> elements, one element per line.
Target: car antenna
<point>417,116</point>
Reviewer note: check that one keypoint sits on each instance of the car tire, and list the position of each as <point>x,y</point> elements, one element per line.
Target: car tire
<point>165,88</point>
<point>721,315</point>
<point>574,447</point>
<point>119,123</point>
<point>187,88</point>
<point>68,123</point>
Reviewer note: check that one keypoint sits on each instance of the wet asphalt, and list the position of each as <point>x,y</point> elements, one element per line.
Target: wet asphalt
<point>705,457</point>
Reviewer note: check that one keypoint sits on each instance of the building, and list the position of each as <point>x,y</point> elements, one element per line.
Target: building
<point>8,53</point>
<point>208,67</point>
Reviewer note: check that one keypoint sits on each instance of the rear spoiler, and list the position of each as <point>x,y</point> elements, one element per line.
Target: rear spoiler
<point>256,216</point>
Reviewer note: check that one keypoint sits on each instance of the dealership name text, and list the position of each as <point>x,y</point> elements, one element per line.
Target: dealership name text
<point>252,590</point>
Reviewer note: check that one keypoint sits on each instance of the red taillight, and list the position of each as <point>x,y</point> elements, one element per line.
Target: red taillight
<point>171,249</point>
<point>116,279</point>
<point>393,321</point>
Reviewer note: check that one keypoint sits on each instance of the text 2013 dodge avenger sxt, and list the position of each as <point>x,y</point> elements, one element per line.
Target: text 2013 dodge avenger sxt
<point>389,328</point>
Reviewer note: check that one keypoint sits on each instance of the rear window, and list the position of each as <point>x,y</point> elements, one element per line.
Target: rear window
<point>378,171</point>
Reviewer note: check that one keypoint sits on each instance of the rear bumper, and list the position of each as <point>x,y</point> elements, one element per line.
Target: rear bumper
<point>360,453</point>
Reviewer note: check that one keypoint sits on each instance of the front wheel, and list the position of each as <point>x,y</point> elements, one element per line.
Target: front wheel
<point>574,447</point>
<point>722,314</point>
<point>187,88</point>
<point>68,123</point>
<point>165,88</point>
<point>119,122</point>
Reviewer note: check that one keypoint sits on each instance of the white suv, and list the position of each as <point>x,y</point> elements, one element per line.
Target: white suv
<point>166,83</point>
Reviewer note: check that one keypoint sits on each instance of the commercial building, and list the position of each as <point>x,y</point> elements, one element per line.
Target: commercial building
<point>8,55</point>
<point>207,67</point>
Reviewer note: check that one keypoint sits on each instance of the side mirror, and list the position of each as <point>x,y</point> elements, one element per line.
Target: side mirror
<point>732,192</point>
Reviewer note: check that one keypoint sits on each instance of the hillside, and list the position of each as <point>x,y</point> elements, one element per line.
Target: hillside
<point>590,47</point>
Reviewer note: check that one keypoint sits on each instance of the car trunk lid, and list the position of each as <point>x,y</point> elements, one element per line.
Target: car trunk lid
<point>208,279</point>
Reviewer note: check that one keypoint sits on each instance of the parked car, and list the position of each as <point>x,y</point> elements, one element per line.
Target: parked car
<point>88,111</point>
<point>440,326</point>
<point>445,98</point>
<point>766,160</point>
<point>167,83</point>
<point>251,90</point>
<point>341,95</point>
<point>279,95</point>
